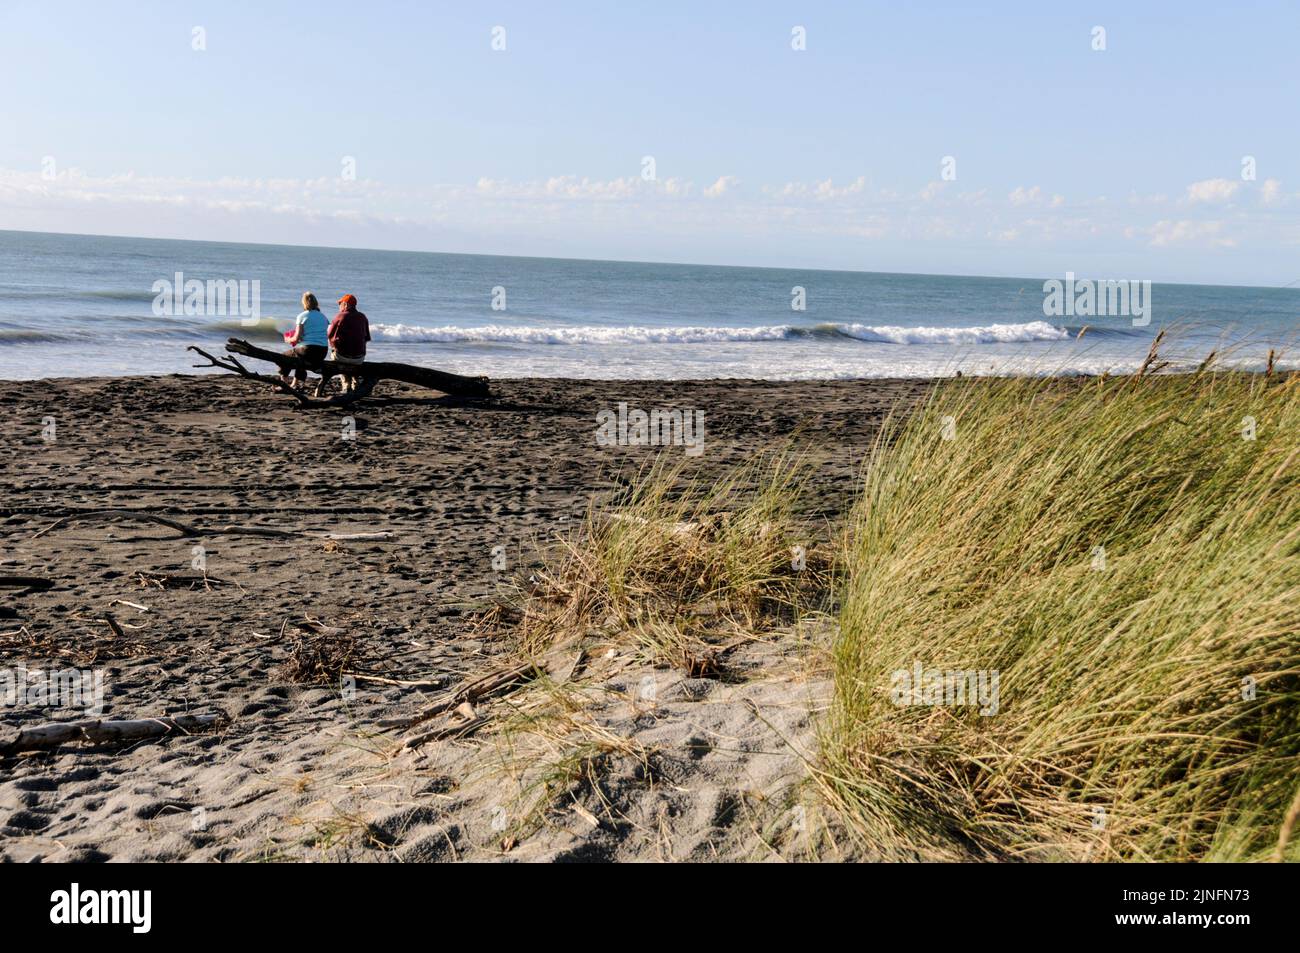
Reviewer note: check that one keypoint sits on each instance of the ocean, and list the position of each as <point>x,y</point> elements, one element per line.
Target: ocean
<point>74,306</point>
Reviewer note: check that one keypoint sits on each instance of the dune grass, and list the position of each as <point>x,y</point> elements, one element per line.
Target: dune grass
<point>1124,555</point>
<point>1121,555</point>
<point>678,566</point>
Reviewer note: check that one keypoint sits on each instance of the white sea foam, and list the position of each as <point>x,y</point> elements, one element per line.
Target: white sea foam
<point>585,334</point>
<point>589,334</point>
<point>979,334</point>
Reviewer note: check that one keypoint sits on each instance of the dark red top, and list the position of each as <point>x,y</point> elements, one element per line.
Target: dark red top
<point>349,332</point>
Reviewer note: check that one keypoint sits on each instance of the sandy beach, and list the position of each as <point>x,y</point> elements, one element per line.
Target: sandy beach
<point>708,767</point>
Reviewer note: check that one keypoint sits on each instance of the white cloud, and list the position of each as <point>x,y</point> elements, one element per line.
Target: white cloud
<point>931,191</point>
<point>828,189</point>
<point>534,216</point>
<point>720,187</point>
<point>1023,196</point>
<point>1270,192</point>
<point>1212,190</point>
<point>1182,232</point>
<point>823,190</point>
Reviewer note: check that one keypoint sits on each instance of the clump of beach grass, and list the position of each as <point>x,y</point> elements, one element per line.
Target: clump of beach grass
<point>676,569</point>
<point>1124,556</point>
<point>678,565</point>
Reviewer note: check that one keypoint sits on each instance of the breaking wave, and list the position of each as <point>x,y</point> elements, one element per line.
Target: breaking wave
<point>588,334</point>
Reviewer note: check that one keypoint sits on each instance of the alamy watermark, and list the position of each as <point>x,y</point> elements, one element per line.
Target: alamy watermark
<point>59,688</point>
<point>948,687</point>
<point>1086,298</point>
<point>74,906</point>
<point>208,298</point>
<point>657,428</point>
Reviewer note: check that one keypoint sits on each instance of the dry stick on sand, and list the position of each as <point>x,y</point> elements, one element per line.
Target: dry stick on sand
<point>402,682</point>
<point>53,735</point>
<point>112,624</point>
<point>186,529</point>
<point>168,580</point>
<point>183,528</point>
<point>471,692</point>
<point>464,721</point>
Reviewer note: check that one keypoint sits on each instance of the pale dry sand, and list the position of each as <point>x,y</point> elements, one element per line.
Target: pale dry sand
<point>707,768</point>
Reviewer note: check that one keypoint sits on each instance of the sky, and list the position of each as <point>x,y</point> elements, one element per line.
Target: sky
<point>1116,140</point>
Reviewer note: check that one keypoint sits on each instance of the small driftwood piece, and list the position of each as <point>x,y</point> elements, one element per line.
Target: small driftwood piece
<point>402,682</point>
<point>184,529</point>
<point>53,735</point>
<point>113,624</point>
<point>484,687</point>
<point>463,722</point>
<point>159,580</point>
<point>189,530</point>
<point>561,664</point>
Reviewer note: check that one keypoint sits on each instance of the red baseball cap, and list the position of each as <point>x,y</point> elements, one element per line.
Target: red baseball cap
<point>348,299</point>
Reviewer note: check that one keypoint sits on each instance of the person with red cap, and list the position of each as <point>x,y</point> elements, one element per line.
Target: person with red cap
<point>348,334</point>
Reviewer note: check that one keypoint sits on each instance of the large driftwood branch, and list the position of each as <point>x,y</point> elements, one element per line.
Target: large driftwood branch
<point>456,385</point>
<point>368,374</point>
<point>103,732</point>
<point>232,365</point>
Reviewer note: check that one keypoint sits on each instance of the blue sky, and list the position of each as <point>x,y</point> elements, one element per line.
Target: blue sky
<point>1122,162</point>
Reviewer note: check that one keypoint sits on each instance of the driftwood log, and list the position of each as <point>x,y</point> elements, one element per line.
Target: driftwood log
<point>103,732</point>
<point>368,374</point>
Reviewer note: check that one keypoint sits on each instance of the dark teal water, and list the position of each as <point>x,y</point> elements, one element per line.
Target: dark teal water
<point>82,305</point>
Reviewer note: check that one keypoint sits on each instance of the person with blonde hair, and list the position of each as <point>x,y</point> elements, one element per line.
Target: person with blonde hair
<point>308,340</point>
